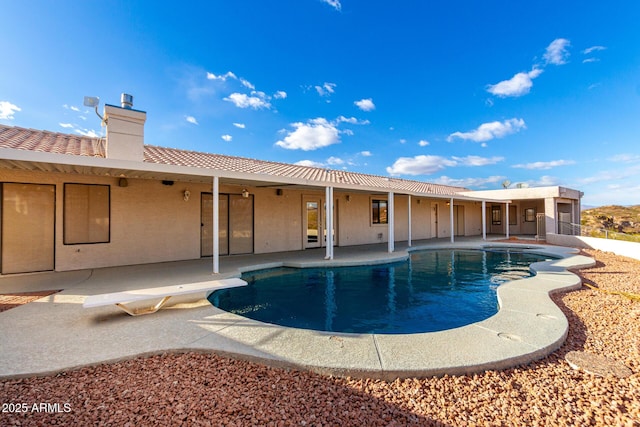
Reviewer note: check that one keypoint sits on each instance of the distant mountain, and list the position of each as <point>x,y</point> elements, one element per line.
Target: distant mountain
<point>625,219</point>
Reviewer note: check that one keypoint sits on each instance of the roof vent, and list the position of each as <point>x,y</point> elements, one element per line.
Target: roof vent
<point>126,101</point>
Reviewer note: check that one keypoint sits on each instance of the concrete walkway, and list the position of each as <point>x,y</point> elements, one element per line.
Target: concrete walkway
<point>55,333</point>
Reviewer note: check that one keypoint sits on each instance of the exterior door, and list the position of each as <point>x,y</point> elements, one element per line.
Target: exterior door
<point>529,220</point>
<point>206,224</point>
<point>434,220</point>
<point>28,227</point>
<point>235,224</point>
<point>312,223</point>
<point>458,220</point>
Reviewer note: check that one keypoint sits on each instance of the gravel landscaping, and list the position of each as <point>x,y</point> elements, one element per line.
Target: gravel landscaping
<point>209,389</point>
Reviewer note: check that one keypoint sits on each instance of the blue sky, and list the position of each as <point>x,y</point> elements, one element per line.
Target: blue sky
<point>458,92</point>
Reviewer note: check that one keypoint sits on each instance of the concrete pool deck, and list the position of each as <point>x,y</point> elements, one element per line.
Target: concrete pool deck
<point>55,333</point>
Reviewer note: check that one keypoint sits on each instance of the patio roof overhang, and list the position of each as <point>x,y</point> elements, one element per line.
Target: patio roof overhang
<point>26,160</point>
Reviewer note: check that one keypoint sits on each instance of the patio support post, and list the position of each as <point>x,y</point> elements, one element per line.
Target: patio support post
<point>329,222</point>
<point>484,220</point>
<point>409,219</point>
<point>507,220</point>
<point>451,227</point>
<point>216,231</point>
<point>390,221</point>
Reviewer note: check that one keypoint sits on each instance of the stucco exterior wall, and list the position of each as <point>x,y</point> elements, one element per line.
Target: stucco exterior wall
<point>420,218</point>
<point>354,217</point>
<point>278,220</point>
<point>472,218</point>
<point>149,222</point>
<point>443,219</point>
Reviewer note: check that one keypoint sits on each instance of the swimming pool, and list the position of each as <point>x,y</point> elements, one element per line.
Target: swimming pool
<point>433,290</point>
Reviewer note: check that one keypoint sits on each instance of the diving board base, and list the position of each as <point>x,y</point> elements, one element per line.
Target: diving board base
<point>143,310</point>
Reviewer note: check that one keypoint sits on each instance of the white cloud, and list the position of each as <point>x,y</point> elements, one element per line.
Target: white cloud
<point>239,125</point>
<point>469,182</point>
<point>403,141</point>
<point>625,158</point>
<point>222,77</point>
<point>419,165</point>
<point>544,181</point>
<point>7,110</point>
<point>334,4</point>
<point>477,160</point>
<point>518,85</point>
<point>423,143</point>
<point>365,104</point>
<point>314,134</point>
<point>309,163</point>
<point>87,132</point>
<point>489,131</point>
<point>280,94</point>
<point>426,165</point>
<point>326,89</point>
<point>592,49</point>
<point>191,119</point>
<point>242,100</point>
<point>352,120</point>
<point>66,125</point>
<point>557,53</point>
<point>366,153</point>
<point>335,161</point>
<point>246,83</point>
<point>544,165</point>
<point>71,107</point>
<point>227,138</point>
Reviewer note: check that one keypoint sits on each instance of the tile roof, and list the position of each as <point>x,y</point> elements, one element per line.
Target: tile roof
<point>171,156</point>
<point>50,142</point>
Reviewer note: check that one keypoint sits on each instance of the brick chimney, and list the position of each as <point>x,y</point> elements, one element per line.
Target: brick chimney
<point>125,130</point>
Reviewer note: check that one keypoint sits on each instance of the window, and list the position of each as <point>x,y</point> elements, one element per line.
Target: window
<point>513,215</point>
<point>529,215</point>
<point>496,215</point>
<point>379,212</point>
<point>86,213</point>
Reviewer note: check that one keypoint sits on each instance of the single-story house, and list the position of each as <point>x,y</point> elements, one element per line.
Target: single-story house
<point>71,202</point>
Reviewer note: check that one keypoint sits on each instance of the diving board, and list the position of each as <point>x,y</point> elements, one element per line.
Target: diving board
<point>121,299</point>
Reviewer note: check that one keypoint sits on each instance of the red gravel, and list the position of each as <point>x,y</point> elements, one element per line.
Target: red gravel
<point>206,389</point>
<point>14,299</point>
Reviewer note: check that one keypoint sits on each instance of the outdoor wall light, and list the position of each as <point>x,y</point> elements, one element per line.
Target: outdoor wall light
<point>245,193</point>
<point>186,195</point>
<point>348,197</point>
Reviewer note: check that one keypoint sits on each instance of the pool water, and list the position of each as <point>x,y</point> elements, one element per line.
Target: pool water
<point>434,290</point>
